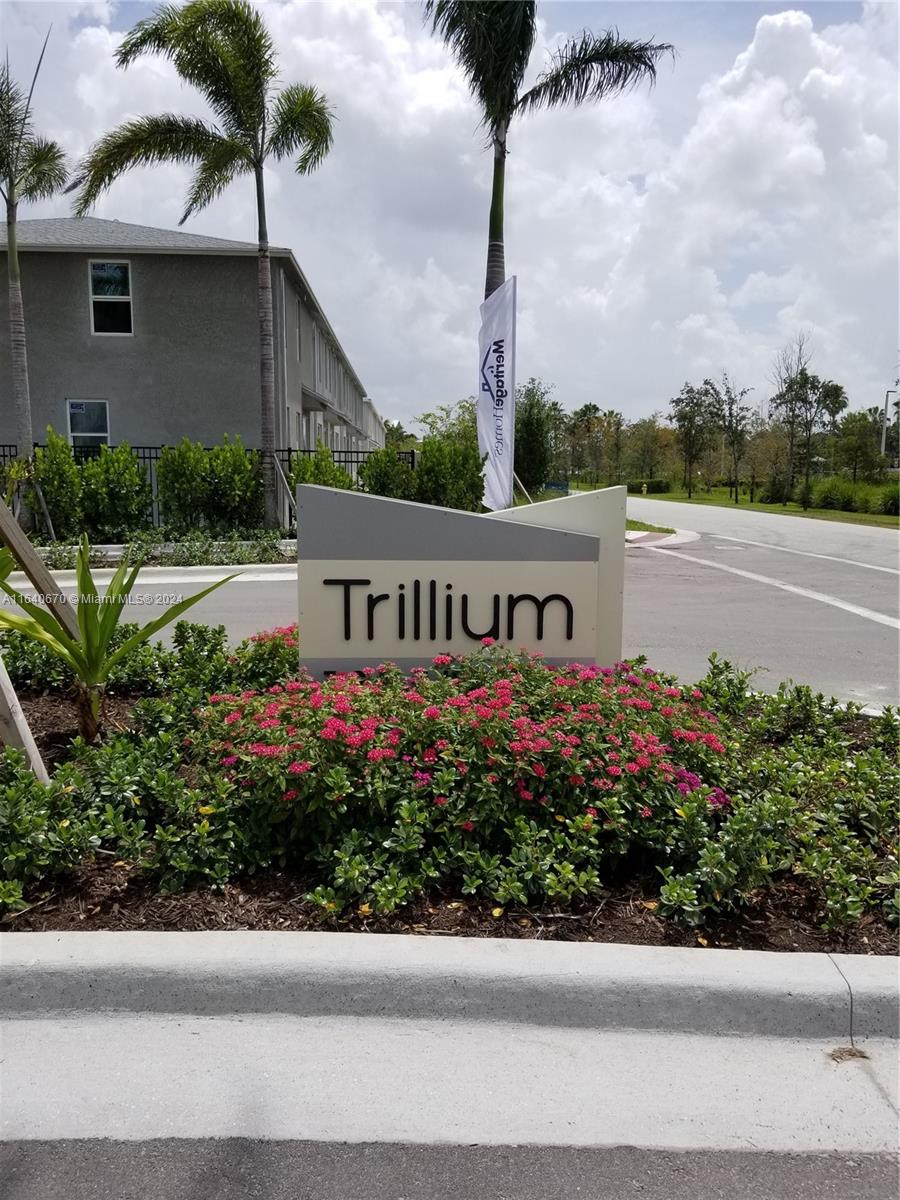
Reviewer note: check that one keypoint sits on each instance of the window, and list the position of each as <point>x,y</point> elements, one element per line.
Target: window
<point>299,339</point>
<point>111,298</point>
<point>88,422</point>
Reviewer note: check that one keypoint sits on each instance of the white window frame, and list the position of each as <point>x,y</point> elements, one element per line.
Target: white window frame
<point>95,437</point>
<point>129,299</point>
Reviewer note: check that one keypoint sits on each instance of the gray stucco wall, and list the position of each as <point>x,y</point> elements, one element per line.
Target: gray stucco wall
<point>191,368</point>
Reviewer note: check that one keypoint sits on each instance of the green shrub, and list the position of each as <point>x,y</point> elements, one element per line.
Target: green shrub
<point>181,481</point>
<point>115,494</point>
<point>46,830</point>
<point>834,493</point>
<point>654,486</point>
<point>59,477</point>
<point>233,487</point>
<point>889,502</point>
<point>774,490</point>
<point>449,474</point>
<point>318,468</point>
<point>384,474</point>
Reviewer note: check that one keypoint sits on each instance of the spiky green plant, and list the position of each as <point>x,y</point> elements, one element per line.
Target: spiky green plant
<point>89,655</point>
<point>492,43</point>
<point>222,48</point>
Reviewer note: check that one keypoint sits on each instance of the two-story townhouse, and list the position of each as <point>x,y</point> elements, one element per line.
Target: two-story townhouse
<point>149,335</point>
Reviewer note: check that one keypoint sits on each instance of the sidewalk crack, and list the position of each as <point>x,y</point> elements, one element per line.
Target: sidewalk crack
<point>849,992</point>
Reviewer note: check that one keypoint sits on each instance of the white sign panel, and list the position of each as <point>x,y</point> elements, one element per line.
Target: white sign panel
<point>387,580</point>
<point>496,395</point>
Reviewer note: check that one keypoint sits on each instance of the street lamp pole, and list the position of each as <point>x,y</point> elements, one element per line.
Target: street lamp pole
<point>884,423</point>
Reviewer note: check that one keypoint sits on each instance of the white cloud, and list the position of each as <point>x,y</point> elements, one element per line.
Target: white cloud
<point>657,237</point>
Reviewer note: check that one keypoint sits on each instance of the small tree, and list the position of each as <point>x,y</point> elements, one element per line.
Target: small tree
<point>857,445</point>
<point>809,398</point>
<point>396,437</point>
<point>790,360</point>
<point>644,448</point>
<point>733,418</point>
<point>532,442</point>
<point>693,419</point>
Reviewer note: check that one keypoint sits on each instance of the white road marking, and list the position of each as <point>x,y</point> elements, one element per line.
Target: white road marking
<point>857,610</point>
<point>850,562</point>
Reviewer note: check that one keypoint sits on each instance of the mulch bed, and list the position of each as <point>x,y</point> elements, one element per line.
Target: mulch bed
<point>54,722</point>
<point>111,895</point>
<point>114,896</point>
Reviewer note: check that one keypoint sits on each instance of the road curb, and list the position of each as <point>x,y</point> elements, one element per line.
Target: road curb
<point>557,984</point>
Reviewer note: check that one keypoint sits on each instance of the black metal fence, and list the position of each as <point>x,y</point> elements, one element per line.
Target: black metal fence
<point>149,456</point>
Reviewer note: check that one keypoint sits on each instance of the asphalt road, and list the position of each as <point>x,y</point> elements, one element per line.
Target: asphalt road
<point>244,1169</point>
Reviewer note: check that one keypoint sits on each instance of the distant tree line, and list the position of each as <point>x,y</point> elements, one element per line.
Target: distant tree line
<point>772,448</point>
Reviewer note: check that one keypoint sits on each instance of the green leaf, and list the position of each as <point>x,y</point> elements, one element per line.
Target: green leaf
<point>147,631</point>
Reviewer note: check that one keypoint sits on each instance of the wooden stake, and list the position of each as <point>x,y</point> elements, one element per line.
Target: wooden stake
<point>34,567</point>
<point>14,728</point>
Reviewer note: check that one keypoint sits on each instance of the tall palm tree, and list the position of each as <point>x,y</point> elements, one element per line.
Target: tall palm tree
<point>223,48</point>
<point>31,168</point>
<point>492,42</point>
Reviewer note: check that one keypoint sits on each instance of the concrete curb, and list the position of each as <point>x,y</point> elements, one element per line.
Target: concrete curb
<point>556,984</point>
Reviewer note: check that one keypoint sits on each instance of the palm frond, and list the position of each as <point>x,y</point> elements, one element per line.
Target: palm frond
<point>222,48</point>
<point>140,143</point>
<point>42,169</point>
<point>491,41</point>
<point>222,164</point>
<point>15,122</point>
<point>300,120</point>
<point>150,36</point>
<point>592,66</point>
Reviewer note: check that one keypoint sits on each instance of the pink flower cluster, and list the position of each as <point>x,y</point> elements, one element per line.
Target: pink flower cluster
<point>594,744</point>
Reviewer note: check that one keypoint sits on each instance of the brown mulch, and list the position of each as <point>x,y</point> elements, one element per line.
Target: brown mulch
<point>114,896</point>
<point>54,721</point>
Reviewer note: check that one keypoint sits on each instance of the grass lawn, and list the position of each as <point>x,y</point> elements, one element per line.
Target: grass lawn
<point>644,527</point>
<point>719,498</point>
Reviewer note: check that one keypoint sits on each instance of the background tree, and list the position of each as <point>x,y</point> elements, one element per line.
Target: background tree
<point>492,43</point>
<point>644,448</point>
<point>585,443</point>
<point>858,447</point>
<point>694,422</point>
<point>396,437</point>
<point>790,360</point>
<point>810,397</point>
<point>31,168</point>
<point>532,445</point>
<point>733,418</point>
<point>452,422</point>
<point>222,48</point>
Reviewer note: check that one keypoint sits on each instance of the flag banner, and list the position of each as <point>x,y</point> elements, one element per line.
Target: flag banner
<point>496,404</point>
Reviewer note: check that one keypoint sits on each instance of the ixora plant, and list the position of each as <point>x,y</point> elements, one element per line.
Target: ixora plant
<point>90,656</point>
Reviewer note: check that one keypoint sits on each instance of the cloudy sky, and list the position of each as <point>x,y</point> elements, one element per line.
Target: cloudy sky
<point>657,238</point>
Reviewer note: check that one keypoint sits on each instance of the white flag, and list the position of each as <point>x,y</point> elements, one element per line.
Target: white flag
<point>496,404</point>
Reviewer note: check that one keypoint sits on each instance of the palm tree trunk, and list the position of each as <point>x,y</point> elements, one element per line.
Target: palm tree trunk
<point>496,258</point>
<point>266,362</point>
<point>17,349</point>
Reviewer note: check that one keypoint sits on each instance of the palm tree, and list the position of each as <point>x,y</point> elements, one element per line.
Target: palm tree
<point>492,43</point>
<point>223,48</point>
<point>31,168</point>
